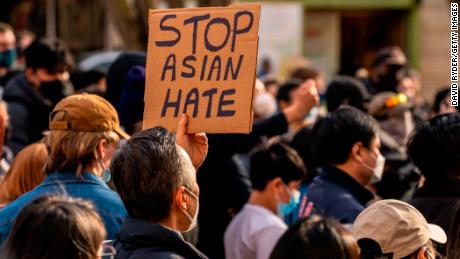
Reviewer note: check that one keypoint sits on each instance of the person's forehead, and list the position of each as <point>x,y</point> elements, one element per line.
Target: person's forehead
<point>376,142</point>
<point>7,37</point>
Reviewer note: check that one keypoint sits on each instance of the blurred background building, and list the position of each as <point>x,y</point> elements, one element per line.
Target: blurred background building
<point>338,36</point>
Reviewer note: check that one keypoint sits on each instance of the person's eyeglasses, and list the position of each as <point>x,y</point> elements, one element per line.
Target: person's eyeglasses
<point>108,251</point>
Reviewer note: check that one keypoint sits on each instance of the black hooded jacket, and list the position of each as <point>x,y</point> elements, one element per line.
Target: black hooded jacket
<point>139,239</point>
<point>28,112</point>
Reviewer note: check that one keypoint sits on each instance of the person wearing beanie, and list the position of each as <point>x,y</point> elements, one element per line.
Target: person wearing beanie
<point>84,134</point>
<point>131,105</point>
<point>118,71</point>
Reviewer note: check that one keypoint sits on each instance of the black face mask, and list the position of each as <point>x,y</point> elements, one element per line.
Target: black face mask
<point>52,91</point>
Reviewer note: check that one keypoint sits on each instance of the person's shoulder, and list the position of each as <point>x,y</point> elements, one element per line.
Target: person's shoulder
<point>333,194</point>
<point>15,206</point>
<point>107,200</point>
<point>329,188</point>
<point>14,86</point>
<point>150,252</point>
<point>9,213</point>
<point>331,198</point>
<point>110,196</point>
<point>255,218</point>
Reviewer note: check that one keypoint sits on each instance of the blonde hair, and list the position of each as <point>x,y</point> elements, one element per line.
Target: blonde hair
<point>26,172</point>
<point>74,151</point>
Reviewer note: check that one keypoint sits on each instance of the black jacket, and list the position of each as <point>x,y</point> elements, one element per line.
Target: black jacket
<point>139,239</point>
<point>439,201</point>
<point>337,195</point>
<point>28,112</point>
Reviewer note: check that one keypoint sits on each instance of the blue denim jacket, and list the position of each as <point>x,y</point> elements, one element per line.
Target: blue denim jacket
<point>88,186</point>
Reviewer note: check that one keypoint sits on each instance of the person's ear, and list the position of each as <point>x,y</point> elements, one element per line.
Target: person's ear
<point>100,149</point>
<point>181,198</point>
<point>31,77</point>
<point>277,182</point>
<point>422,253</point>
<point>356,151</point>
<point>283,104</point>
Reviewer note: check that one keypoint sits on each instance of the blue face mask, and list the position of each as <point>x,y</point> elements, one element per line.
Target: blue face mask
<point>7,58</point>
<point>106,176</point>
<point>285,209</point>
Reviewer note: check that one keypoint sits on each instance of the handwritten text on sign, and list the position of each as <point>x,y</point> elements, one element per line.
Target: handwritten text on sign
<point>202,62</point>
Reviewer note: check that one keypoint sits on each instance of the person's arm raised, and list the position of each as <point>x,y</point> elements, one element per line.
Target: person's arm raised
<point>196,145</point>
<point>305,98</point>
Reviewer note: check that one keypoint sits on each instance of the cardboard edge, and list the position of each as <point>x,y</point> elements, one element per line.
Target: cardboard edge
<point>255,6</point>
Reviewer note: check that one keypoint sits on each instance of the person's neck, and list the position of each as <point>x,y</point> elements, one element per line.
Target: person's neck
<point>3,71</point>
<point>350,170</point>
<point>170,222</point>
<point>374,78</point>
<point>262,199</point>
<point>296,125</point>
<point>94,169</point>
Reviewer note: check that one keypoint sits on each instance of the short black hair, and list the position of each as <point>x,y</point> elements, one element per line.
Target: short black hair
<point>285,90</point>
<point>275,160</point>
<point>385,53</point>
<point>316,237</point>
<point>336,134</point>
<point>49,53</point>
<point>346,90</point>
<point>147,170</point>
<point>435,147</point>
<point>439,98</point>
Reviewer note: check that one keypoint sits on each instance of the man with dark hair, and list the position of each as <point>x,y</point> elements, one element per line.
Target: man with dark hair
<point>346,90</point>
<point>32,95</point>
<point>347,147</point>
<point>441,103</point>
<point>434,149</point>
<point>285,93</point>
<point>155,175</point>
<point>386,66</point>
<point>276,173</point>
<point>7,51</point>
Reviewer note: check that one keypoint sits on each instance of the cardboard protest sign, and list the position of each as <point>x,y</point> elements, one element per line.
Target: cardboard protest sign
<point>202,61</point>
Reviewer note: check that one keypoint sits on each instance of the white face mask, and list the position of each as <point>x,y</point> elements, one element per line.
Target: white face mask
<point>377,171</point>
<point>193,219</point>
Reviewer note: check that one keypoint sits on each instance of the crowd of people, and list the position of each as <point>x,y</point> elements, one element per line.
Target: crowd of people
<point>359,167</point>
